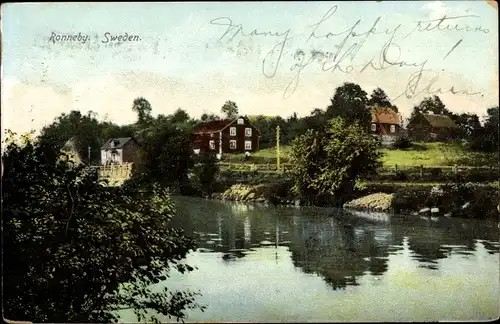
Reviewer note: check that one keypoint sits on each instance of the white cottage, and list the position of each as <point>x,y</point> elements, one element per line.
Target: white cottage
<point>119,150</point>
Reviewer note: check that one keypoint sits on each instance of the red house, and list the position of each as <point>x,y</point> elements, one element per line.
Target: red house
<point>386,124</point>
<point>236,135</point>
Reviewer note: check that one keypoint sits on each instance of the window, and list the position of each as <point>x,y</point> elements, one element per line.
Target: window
<point>248,132</point>
<point>232,144</point>
<point>393,128</point>
<point>248,145</point>
<point>212,145</point>
<point>374,127</point>
<point>241,121</point>
<point>232,131</point>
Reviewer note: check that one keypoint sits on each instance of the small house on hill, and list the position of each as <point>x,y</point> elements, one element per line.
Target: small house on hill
<point>119,150</point>
<point>386,124</point>
<point>70,149</point>
<point>430,126</point>
<point>236,135</point>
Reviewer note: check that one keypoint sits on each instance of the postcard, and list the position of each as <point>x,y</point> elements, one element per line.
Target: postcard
<point>250,161</point>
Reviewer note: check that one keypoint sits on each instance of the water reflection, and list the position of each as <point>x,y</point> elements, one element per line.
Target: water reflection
<point>339,246</point>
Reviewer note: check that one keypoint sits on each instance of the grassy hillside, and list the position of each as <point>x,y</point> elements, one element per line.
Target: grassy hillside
<point>426,154</point>
<point>436,154</point>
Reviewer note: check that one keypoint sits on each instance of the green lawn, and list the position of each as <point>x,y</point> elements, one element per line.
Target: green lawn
<point>426,154</point>
<point>436,154</point>
<point>271,152</point>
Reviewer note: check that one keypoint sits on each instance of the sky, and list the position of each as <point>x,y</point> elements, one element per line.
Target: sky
<point>196,56</point>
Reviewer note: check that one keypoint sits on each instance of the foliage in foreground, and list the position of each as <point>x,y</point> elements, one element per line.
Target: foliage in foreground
<point>75,251</point>
<point>328,163</point>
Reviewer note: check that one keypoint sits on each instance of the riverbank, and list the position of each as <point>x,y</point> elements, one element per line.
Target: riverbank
<point>467,200</point>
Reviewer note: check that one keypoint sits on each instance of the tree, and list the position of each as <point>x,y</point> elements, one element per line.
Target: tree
<point>431,105</point>
<point>293,118</point>
<point>165,156</point>
<point>428,105</point>
<point>350,103</point>
<point>379,98</point>
<point>209,117</point>
<point>317,112</point>
<point>85,131</point>
<point>78,251</point>
<point>327,163</point>
<point>486,139</point>
<point>180,116</point>
<point>230,109</point>
<point>468,124</point>
<point>143,109</point>
<point>205,173</point>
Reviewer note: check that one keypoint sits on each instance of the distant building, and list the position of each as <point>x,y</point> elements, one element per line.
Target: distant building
<point>236,135</point>
<point>119,150</point>
<point>426,127</point>
<point>386,124</point>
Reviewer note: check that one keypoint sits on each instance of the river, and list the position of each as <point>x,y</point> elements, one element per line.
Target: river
<point>287,264</point>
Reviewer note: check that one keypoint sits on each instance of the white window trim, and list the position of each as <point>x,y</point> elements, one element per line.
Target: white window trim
<point>248,132</point>
<point>241,121</point>
<point>211,144</point>
<point>374,127</point>
<point>392,128</point>
<point>232,131</point>
<point>248,145</point>
<point>232,147</point>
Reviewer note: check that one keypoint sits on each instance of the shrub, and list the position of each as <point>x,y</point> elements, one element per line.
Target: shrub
<point>410,199</point>
<point>401,176</point>
<point>481,199</point>
<point>402,142</point>
<point>436,174</point>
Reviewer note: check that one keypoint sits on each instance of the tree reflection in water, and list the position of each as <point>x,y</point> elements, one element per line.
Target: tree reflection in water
<point>333,244</point>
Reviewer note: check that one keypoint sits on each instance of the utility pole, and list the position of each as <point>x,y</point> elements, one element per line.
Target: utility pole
<point>88,154</point>
<point>277,148</point>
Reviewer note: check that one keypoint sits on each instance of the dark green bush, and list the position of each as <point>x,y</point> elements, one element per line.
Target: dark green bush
<point>436,174</point>
<point>402,142</point>
<point>482,200</point>
<point>401,176</point>
<point>410,199</point>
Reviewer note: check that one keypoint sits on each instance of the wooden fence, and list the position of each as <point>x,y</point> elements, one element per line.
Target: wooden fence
<point>115,171</point>
<point>272,167</point>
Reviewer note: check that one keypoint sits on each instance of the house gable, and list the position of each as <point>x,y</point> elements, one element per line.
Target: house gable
<point>381,115</point>
<point>119,143</point>
<point>246,123</point>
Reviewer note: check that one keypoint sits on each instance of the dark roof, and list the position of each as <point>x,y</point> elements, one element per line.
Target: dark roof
<point>216,125</point>
<point>440,121</point>
<point>212,126</point>
<point>118,143</point>
<point>385,116</point>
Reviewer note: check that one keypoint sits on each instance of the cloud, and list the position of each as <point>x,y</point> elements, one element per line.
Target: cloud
<point>435,9</point>
<point>30,106</point>
<point>438,9</point>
